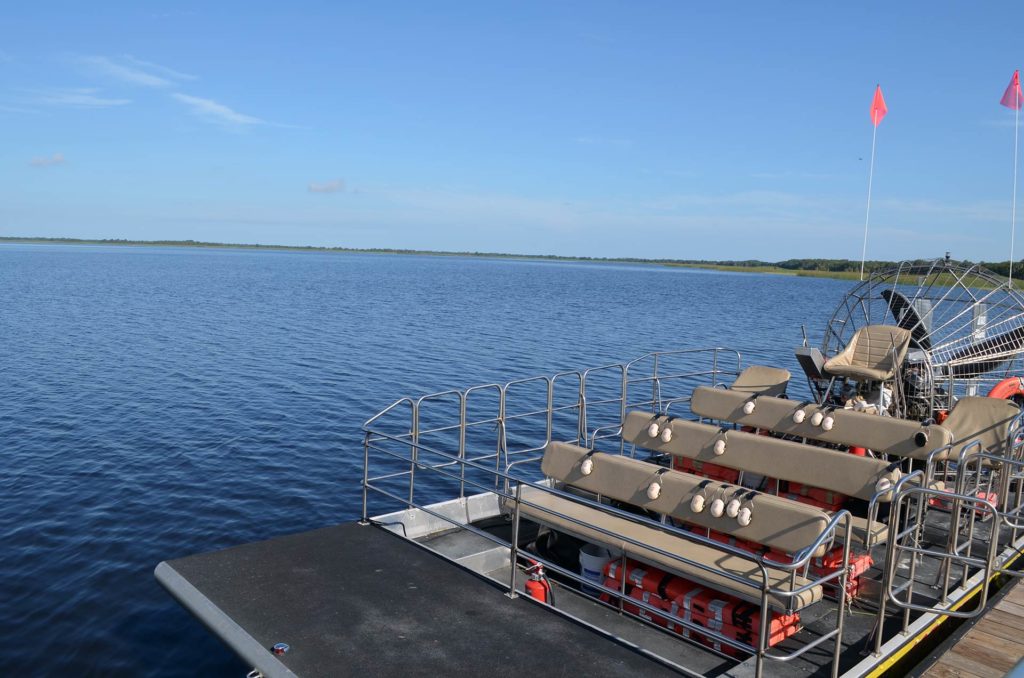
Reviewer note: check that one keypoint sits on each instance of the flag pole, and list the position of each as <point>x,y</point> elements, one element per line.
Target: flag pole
<point>867,216</point>
<point>1013,98</point>
<point>1013,203</point>
<point>878,111</point>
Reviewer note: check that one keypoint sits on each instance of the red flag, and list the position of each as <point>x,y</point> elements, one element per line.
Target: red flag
<point>878,107</point>
<point>1013,97</point>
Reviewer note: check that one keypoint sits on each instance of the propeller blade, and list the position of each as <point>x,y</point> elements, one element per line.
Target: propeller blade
<point>908,318</point>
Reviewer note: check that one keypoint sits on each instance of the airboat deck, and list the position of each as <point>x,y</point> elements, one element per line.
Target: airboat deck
<point>358,600</point>
<point>679,512</point>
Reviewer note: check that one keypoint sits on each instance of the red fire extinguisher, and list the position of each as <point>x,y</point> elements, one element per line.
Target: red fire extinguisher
<point>538,586</point>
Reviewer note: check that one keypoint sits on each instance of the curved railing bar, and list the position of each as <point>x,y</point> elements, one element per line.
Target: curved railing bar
<point>387,409</point>
<point>986,563</point>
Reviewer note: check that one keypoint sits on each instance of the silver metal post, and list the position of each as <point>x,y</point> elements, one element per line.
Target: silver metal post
<point>622,405</point>
<point>365,520</point>
<point>581,422</point>
<point>514,545</point>
<point>414,457</point>
<point>654,387</point>
<point>889,571</point>
<point>766,613</point>
<point>922,503</point>
<point>462,445</point>
<point>842,598</point>
<point>502,444</point>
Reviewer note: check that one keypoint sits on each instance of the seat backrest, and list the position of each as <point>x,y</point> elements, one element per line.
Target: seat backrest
<point>984,419</point>
<point>762,380</point>
<point>873,347</point>
<point>771,457</point>
<point>777,523</point>
<point>884,435</point>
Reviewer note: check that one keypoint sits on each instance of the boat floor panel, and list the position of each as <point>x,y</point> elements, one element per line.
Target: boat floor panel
<point>457,544</point>
<point>630,629</point>
<point>358,600</point>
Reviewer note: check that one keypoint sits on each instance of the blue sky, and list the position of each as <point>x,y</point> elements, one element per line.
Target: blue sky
<point>658,129</point>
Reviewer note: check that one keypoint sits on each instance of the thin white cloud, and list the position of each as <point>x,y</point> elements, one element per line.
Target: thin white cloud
<point>163,70</point>
<point>75,97</point>
<point>217,113</point>
<point>333,186</point>
<point>48,160</point>
<point>133,71</point>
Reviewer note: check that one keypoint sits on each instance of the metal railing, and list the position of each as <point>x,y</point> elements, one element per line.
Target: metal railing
<point>488,438</point>
<point>983,533</point>
<point>563,406</point>
<point>517,494</point>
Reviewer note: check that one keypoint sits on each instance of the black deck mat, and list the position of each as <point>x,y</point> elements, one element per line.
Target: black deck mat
<point>358,600</point>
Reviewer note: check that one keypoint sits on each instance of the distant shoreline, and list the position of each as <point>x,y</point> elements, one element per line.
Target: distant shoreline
<point>813,268</point>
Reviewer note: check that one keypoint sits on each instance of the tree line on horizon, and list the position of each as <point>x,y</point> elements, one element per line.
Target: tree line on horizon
<point>805,264</point>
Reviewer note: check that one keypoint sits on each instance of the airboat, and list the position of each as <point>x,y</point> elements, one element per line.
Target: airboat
<point>681,513</point>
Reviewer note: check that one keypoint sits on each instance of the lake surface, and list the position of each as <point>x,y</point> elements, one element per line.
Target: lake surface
<point>159,402</point>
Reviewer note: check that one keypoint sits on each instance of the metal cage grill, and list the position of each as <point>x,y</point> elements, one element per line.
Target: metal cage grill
<point>967,325</point>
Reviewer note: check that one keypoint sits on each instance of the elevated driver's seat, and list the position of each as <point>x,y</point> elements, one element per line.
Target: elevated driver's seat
<point>874,353</point>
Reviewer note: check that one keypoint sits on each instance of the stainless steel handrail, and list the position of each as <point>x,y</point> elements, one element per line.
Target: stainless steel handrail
<point>948,555</point>
<point>766,589</point>
<point>581,406</point>
<point>591,391</point>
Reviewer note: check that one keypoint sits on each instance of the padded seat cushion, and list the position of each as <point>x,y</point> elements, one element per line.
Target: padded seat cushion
<point>764,380</point>
<point>541,506</point>
<point>775,522</point>
<point>869,355</point>
<point>986,419</point>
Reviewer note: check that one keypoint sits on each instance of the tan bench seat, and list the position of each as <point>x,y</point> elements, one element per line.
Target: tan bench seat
<point>543,503</point>
<point>985,420</point>
<point>762,381</point>
<point>809,465</point>
<point>777,523</point>
<point>796,462</point>
<point>884,435</point>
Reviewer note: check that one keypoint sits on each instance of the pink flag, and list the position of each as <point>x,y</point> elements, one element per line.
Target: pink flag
<point>878,107</point>
<point>1013,97</point>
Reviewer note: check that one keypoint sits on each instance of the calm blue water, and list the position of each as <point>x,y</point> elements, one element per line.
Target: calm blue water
<point>158,402</point>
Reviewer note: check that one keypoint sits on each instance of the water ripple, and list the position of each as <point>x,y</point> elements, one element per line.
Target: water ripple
<point>161,402</point>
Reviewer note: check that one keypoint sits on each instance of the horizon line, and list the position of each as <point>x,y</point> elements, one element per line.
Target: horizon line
<point>401,250</point>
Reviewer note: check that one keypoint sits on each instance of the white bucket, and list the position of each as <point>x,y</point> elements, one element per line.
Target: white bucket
<point>593,558</point>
